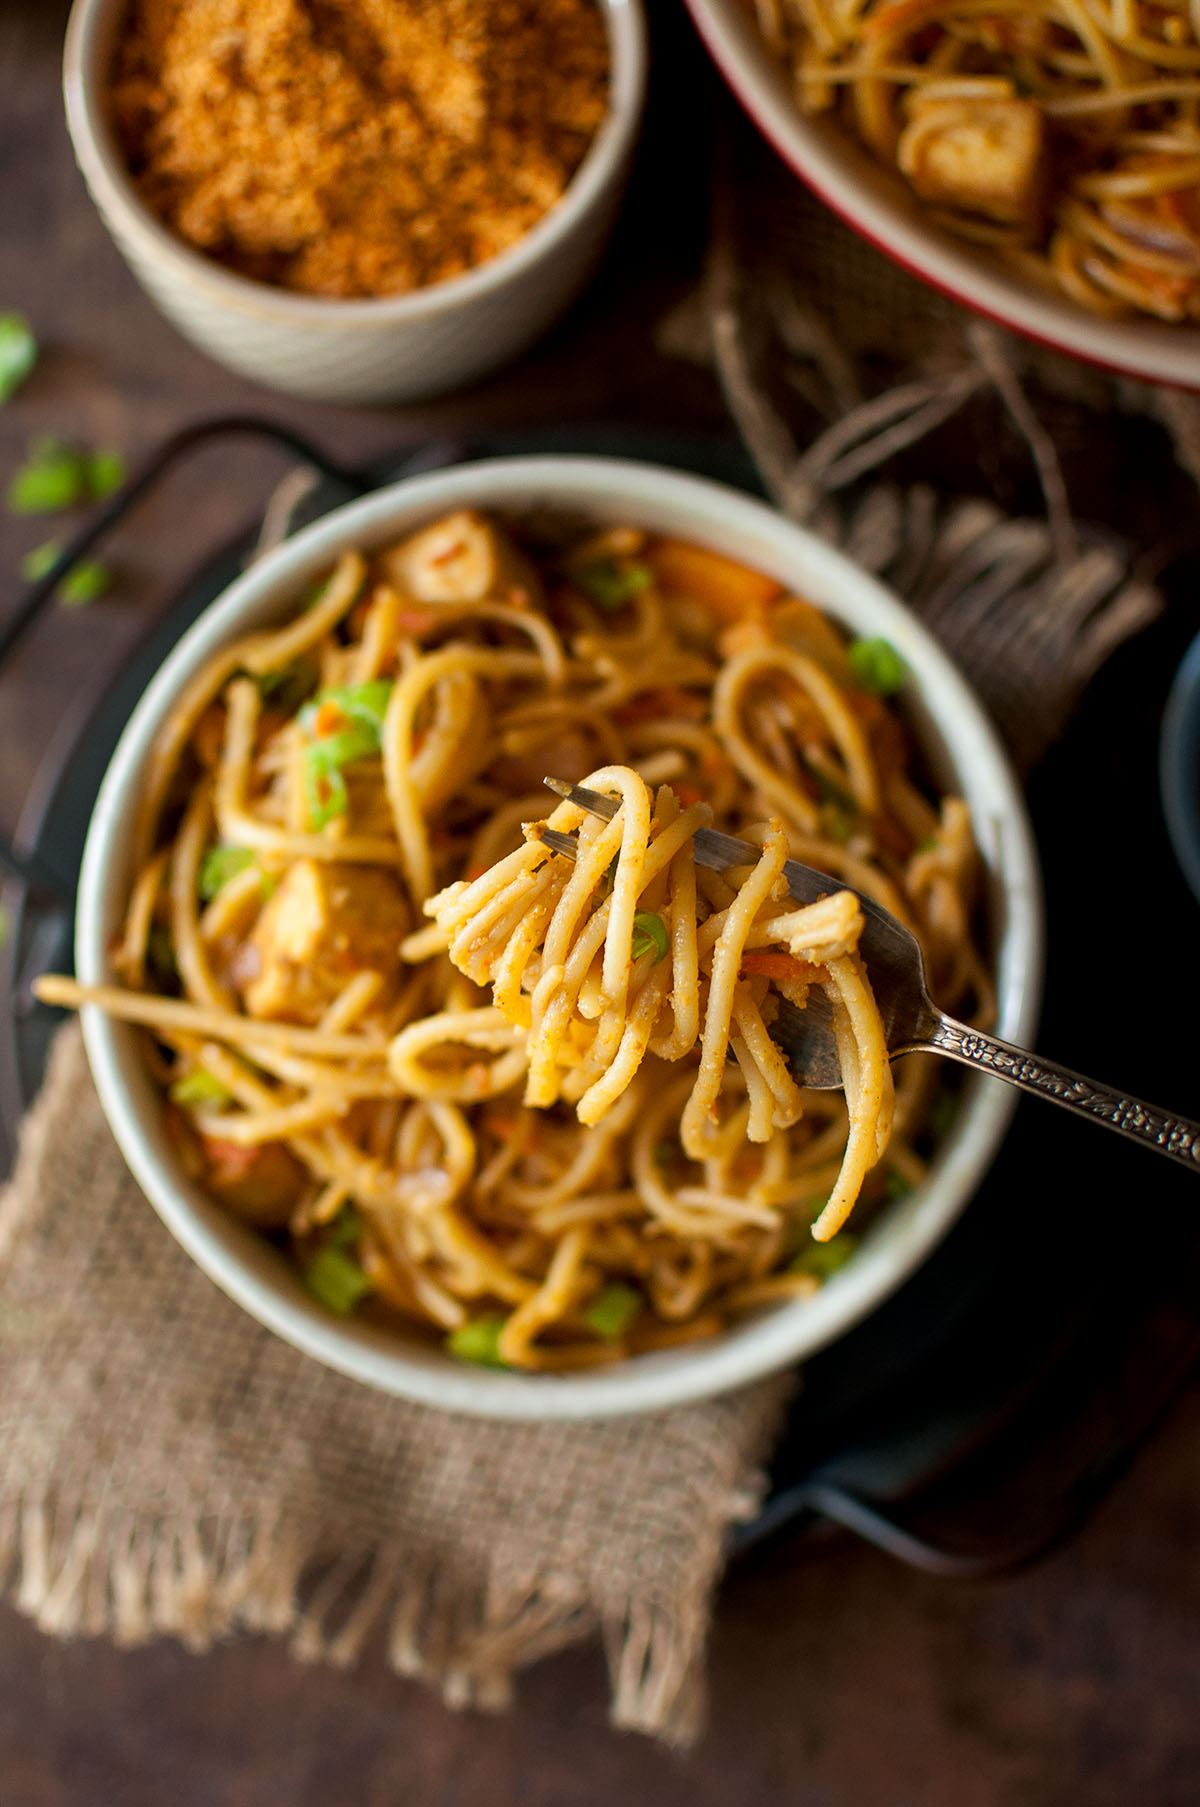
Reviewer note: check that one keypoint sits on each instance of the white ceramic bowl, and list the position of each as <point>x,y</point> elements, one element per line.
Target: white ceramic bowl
<point>398,348</point>
<point>963,752</point>
<point>877,203</point>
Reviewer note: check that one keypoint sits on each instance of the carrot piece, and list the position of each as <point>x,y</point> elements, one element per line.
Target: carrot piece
<point>730,590</point>
<point>1171,291</point>
<point>687,794</point>
<point>329,720</point>
<point>773,963</point>
<point>415,621</point>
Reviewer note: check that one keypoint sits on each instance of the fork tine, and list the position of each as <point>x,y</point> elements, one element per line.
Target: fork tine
<point>805,1037</point>
<point>889,949</point>
<point>595,802</point>
<point>557,842</point>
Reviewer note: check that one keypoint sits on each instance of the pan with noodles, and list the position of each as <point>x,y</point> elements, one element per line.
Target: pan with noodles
<point>524,1112</point>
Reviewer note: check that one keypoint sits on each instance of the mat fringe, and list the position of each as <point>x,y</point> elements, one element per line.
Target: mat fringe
<point>76,1568</point>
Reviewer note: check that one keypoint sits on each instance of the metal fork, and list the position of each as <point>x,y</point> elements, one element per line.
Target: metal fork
<point>912,1021</point>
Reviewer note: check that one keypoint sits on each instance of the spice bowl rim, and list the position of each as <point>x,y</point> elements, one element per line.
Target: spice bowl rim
<point>85,58</point>
<point>953,729</point>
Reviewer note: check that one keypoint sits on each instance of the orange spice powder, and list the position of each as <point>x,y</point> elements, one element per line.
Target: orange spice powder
<point>357,147</point>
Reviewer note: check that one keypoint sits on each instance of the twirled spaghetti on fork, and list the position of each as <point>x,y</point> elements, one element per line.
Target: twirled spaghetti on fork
<point>533,1145</point>
<point>624,952</point>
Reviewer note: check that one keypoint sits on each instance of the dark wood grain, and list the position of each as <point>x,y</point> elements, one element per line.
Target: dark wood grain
<point>838,1679</point>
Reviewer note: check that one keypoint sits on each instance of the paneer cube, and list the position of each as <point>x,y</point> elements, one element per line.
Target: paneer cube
<point>982,156</point>
<point>260,1184</point>
<point>325,923</point>
<point>461,558</point>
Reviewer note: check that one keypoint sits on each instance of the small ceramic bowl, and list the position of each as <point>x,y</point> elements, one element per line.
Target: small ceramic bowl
<point>963,753</point>
<point>1179,765</point>
<point>877,203</point>
<point>396,348</point>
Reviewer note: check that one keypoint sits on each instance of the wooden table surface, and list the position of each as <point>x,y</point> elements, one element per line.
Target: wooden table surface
<point>838,1679</point>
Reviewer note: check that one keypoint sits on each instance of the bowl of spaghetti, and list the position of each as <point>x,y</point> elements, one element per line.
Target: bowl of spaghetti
<point>494,1129</point>
<point>1040,164</point>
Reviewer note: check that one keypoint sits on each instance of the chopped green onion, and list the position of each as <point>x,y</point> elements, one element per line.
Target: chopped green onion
<point>929,846</point>
<point>610,583</point>
<point>335,1281</point>
<point>364,704</point>
<point>324,787</point>
<point>199,1087</point>
<point>18,353</point>
<point>613,1310</point>
<point>35,564</point>
<point>106,472</point>
<point>896,1186</point>
<point>345,1229</point>
<point>877,666</point>
<point>478,1340</point>
<point>83,583</point>
<point>54,476</point>
<point>361,707</point>
<point>837,824</point>
<point>218,866</point>
<point>649,936</point>
<point>5,926</point>
<point>666,1152</point>
<point>355,741</point>
<point>820,1259</point>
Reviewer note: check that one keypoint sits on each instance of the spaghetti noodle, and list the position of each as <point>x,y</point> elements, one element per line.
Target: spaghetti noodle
<point>1062,134</point>
<point>536,1149</point>
<point>602,993</point>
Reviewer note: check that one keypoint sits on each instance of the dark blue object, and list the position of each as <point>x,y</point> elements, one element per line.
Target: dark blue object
<point>1179,765</point>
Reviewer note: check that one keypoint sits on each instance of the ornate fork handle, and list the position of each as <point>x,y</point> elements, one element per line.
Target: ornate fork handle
<point>1171,1135</point>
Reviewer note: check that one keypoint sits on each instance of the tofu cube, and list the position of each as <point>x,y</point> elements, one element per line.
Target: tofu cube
<point>461,558</point>
<point>981,156</point>
<point>324,923</point>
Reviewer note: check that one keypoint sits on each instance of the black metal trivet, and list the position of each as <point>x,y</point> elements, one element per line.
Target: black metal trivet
<point>973,1418</point>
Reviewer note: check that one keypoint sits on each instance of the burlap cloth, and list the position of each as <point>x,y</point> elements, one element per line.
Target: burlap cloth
<point>166,1467</point>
